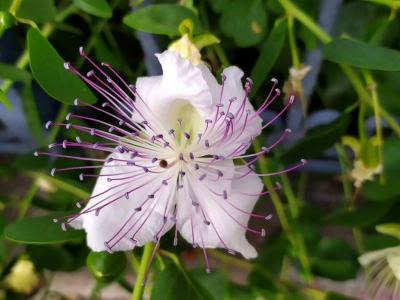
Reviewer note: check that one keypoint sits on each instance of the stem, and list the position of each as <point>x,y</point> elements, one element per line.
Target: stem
<point>391,3</point>
<point>292,201</point>
<point>14,6</point>
<point>48,284</point>
<point>133,259</point>
<point>221,55</point>
<point>59,118</point>
<point>343,166</point>
<point>361,129</point>
<point>27,199</point>
<point>292,42</point>
<point>139,288</point>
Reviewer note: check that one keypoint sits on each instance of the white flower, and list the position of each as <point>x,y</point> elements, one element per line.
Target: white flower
<point>23,277</point>
<point>360,173</point>
<point>172,160</point>
<point>383,272</point>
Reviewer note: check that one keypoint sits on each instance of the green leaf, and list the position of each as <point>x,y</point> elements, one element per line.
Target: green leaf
<point>334,269</point>
<point>32,114</point>
<point>375,191</point>
<point>204,40</point>
<point>244,21</point>
<point>369,155</point>
<point>216,282</point>
<point>41,230</point>
<point>162,19</point>
<point>13,73</point>
<point>379,241</point>
<point>268,55</point>
<point>38,11</point>
<point>106,267</point>
<point>362,55</point>
<point>104,53</point>
<point>174,283</point>
<point>391,161</point>
<point>2,224</point>
<point>218,6</point>
<point>4,99</point>
<point>317,140</point>
<point>7,20</point>
<point>392,229</point>
<point>50,257</point>
<point>99,8</point>
<point>48,69</point>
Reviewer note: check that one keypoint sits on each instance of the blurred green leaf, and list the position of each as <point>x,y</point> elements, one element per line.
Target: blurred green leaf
<point>38,11</point>
<point>336,296</point>
<point>392,229</point>
<point>362,55</point>
<point>48,69</point>
<point>375,191</point>
<point>204,40</point>
<point>106,267</point>
<point>98,8</point>
<point>378,241</point>
<point>13,73</point>
<point>369,155</point>
<point>174,283</point>
<point>239,292</point>
<point>104,53</point>
<point>216,282</point>
<point>2,224</point>
<point>268,55</point>
<point>41,230</point>
<point>317,140</point>
<point>244,21</point>
<point>218,6</point>
<point>50,257</point>
<point>375,32</point>
<point>391,161</point>
<point>32,114</point>
<point>3,98</point>
<point>162,19</point>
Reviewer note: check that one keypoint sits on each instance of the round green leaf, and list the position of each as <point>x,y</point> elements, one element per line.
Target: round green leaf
<point>317,140</point>
<point>162,19</point>
<point>48,69</point>
<point>38,11</point>
<point>41,230</point>
<point>244,21</point>
<point>362,55</point>
<point>13,73</point>
<point>6,21</point>
<point>50,257</point>
<point>4,99</point>
<point>99,8</point>
<point>104,266</point>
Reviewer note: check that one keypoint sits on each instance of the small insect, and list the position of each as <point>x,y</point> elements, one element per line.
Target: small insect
<point>163,163</point>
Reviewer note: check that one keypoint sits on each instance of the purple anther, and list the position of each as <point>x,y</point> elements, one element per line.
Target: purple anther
<point>195,204</point>
<point>215,156</point>
<point>278,91</point>
<point>144,281</point>
<point>48,124</point>
<point>36,153</point>
<point>268,217</point>
<point>191,155</point>
<point>202,177</point>
<point>195,245</point>
<point>227,123</point>
<point>78,139</point>
<point>179,119</point>
<point>81,51</point>
<point>154,160</point>
<point>208,121</point>
<point>173,219</point>
<point>125,148</point>
<point>225,194</point>
<point>206,143</point>
<point>109,80</point>
<point>249,81</point>
<point>165,219</point>
<point>274,80</point>
<point>180,186</point>
<point>175,241</point>
<point>78,205</point>
<point>76,101</point>
<point>199,135</point>
<point>187,135</point>
<point>222,113</point>
<point>252,167</point>
<point>253,138</point>
<point>180,156</point>
<point>95,145</point>
<point>248,111</point>
<point>92,131</point>
<point>90,73</point>
<point>155,239</point>
<point>150,196</point>
<point>265,149</point>
<point>145,169</point>
<point>219,105</point>
<point>164,182</point>
<point>196,166</point>
<point>291,99</point>
<point>230,251</point>
<point>153,138</point>
<point>53,171</point>
<point>221,157</point>
<point>159,136</point>
<point>67,65</point>
<point>64,144</point>
<point>208,271</point>
<point>55,220</point>
<point>304,162</point>
<point>138,209</point>
<point>171,131</point>
<point>52,145</point>
<point>278,185</point>
<point>288,130</point>
<point>127,195</point>
<point>182,173</point>
<point>263,232</point>
<point>108,248</point>
<point>81,176</point>
<point>133,240</point>
<point>121,150</point>
<point>144,122</point>
<point>134,134</point>
<point>68,125</point>
<point>166,144</point>
<point>110,159</point>
<point>223,76</point>
<point>206,222</point>
<point>105,104</point>
<point>132,87</point>
<point>230,116</point>
<point>111,129</point>
<point>232,99</point>
<point>105,64</point>
<point>220,174</point>
<point>109,179</point>
<point>134,154</point>
<point>63,226</point>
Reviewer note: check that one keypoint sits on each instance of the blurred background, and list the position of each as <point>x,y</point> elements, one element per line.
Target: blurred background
<point>341,61</point>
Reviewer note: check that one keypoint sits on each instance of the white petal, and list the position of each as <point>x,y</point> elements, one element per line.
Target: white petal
<point>111,218</point>
<point>230,232</point>
<point>372,256</point>
<point>394,263</point>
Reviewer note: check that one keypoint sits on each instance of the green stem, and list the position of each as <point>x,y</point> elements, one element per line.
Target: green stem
<point>48,284</point>
<point>28,199</point>
<point>14,6</point>
<point>391,3</point>
<point>139,288</point>
<point>221,55</point>
<point>292,42</point>
<point>288,191</point>
<point>59,118</point>
<point>361,129</point>
<point>66,13</point>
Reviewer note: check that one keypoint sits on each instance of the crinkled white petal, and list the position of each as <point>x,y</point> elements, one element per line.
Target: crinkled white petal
<point>372,256</point>
<point>393,260</point>
<point>103,227</point>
